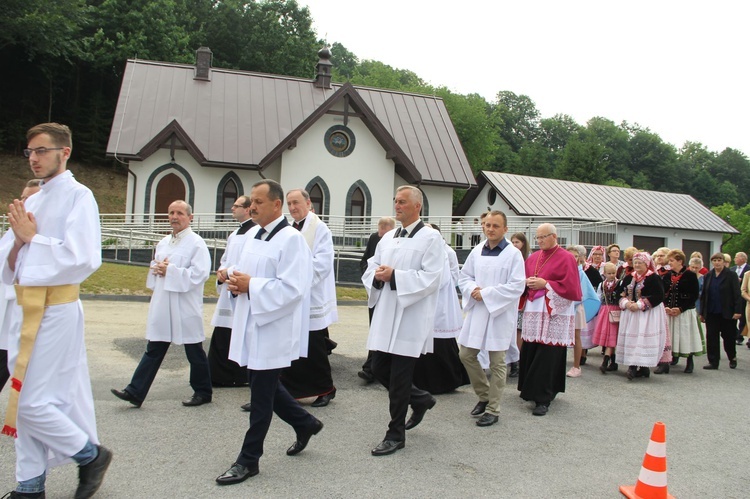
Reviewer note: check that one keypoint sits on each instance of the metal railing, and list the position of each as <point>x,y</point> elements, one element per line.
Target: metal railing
<point>131,238</point>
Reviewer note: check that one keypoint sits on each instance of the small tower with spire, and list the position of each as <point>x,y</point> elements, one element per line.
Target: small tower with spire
<point>323,77</point>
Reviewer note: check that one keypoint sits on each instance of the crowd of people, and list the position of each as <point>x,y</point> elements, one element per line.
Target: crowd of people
<point>518,315</point>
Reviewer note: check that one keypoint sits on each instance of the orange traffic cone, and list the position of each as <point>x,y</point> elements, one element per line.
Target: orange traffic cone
<point>652,481</point>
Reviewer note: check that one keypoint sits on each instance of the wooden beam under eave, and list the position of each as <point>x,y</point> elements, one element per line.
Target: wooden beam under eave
<point>341,113</point>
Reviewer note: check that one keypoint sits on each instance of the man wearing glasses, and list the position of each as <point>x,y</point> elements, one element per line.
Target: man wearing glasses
<point>54,245</point>
<point>225,372</point>
<point>552,287</point>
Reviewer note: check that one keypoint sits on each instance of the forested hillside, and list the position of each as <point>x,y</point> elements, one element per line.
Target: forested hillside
<point>67,57</point>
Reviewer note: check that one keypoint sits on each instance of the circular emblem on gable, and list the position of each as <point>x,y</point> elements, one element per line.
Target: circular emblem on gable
<point>339,140</point>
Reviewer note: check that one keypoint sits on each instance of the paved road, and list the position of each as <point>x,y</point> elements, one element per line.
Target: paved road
<point>593,439</point>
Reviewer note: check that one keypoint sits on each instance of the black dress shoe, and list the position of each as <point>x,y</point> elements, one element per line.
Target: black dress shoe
<point>367,376</point>
<point>739,341</point>
<point>540,409</point>
<point>323,400</point>
<point>196,400</point>
<point>662,368</point>
<point>304,437</point>
<point>711,367</point>
<point>236,474</point>
<point>487,419</point>
<point>479,408</point>
<point>631,372</point>
<point>91,475</point>
<point>675,361</point>
<point>733,364</point>
<point>387,447</point>
<point>127,397</point>
<point>19,495</point>
<point>514,370</point>
<point>417,413</point>
<point>245,407</point>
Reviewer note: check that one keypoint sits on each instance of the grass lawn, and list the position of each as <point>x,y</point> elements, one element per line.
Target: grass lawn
<point>121,279</point>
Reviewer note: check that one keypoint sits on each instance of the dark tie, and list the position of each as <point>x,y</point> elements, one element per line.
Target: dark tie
<point>403,233</point>
<point>260,233</point>
<point>297,225</point>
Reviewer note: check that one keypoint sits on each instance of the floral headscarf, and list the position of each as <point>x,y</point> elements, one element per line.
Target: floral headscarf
<point>590,259</point>
<point>645,258</point>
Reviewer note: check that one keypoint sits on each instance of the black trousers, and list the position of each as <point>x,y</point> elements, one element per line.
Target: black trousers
<point>143,377</point>
<point>268,396</point>
<point>716,326</point>
<point>395,372</point>
<point>367,366</point>
<point>4,374</point>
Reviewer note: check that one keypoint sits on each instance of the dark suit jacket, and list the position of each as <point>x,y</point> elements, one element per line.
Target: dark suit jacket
<point>729,291</point>
<point>372,243</point>
<point>733,268</point>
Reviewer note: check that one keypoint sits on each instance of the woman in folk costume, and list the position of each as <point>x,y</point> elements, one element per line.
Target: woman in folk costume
<point>613,256</point>
<point>593,266</point>
<point>643,323</point>
<point>607,321</point>
<point>442,371</point>
<point>660,261</point>
<point>585,312</point>
<point>628,267</point>
<point>681,290</point>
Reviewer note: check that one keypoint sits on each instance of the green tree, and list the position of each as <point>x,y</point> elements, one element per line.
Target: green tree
<point>583,160</point>
<point>655,159</point>
<point>615,140</point>
<point>516,118</point>
<point>739,218</point>
<point>379,75</point>
<point>535,160</point>
<point>344,62</point>
<point>732,166</point>
<point>470,117</point>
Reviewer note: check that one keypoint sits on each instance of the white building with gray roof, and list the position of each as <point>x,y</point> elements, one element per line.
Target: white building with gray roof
<point>207,134</point>
<point>644,219</point>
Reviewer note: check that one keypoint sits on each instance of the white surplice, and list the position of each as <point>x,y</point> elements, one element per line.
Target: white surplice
<point>176,310</point>
<point>491,323</point>
<point>323,311</point>
<point>56,407</point>
<point>448,316</point>
<point>271,321</point>
<point>403,320</point>
<point>225,304</point>
<point>7,302</point>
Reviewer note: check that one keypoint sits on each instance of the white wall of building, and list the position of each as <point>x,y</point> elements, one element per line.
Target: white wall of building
<point>294,169</point>
<point>366,163</point>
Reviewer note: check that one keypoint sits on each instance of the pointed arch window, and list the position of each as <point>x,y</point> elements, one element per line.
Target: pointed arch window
<point>229,193</point>
<point>357,205</point>
<point>317,199</point>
